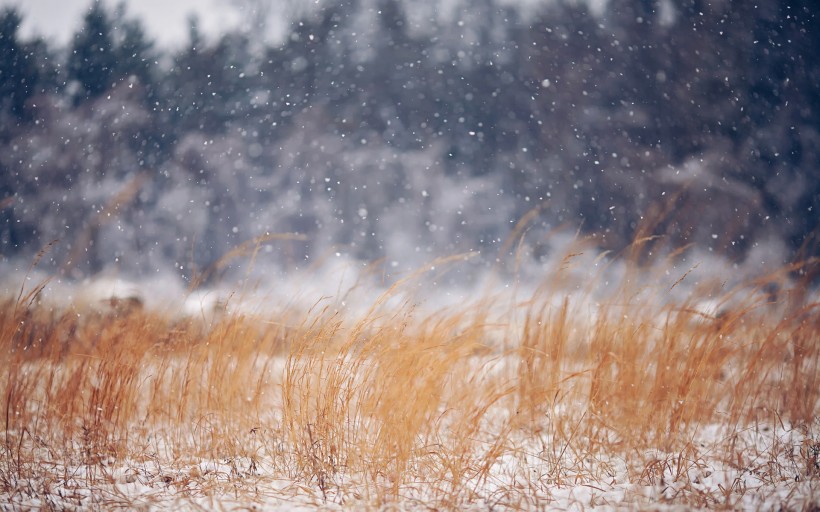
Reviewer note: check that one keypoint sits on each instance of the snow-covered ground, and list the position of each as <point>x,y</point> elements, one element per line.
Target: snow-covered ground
<point>756,468</point>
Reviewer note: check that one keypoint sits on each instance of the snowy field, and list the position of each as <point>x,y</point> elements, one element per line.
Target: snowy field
<point>522,399</point>
<point>775,469</point>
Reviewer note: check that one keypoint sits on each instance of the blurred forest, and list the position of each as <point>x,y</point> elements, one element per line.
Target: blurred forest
<point>387,130</point>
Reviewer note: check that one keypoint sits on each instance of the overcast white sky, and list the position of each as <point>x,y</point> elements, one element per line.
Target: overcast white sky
<point>165,20</point>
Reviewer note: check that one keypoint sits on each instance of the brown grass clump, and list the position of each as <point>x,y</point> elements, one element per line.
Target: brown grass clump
<point>553,399</point>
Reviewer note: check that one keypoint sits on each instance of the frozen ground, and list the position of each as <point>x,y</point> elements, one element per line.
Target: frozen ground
<point>755,468</point>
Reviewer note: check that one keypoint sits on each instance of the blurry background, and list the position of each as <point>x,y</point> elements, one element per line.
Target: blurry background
<point>157,136</point>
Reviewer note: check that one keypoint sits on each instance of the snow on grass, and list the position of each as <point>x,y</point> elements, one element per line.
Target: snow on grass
<point>530,398</point>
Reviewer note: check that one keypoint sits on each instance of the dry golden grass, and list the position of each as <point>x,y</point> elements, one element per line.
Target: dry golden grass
<point>548,400</point>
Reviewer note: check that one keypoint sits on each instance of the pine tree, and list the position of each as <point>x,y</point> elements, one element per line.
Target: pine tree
<point>133,51</point>
<point>92,62</point>
<point>18,73</point>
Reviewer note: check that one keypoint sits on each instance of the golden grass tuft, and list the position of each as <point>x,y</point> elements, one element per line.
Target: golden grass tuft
<point>552,399</point>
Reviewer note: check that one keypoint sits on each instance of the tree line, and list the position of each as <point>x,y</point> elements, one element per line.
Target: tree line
<point>605,120</point>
